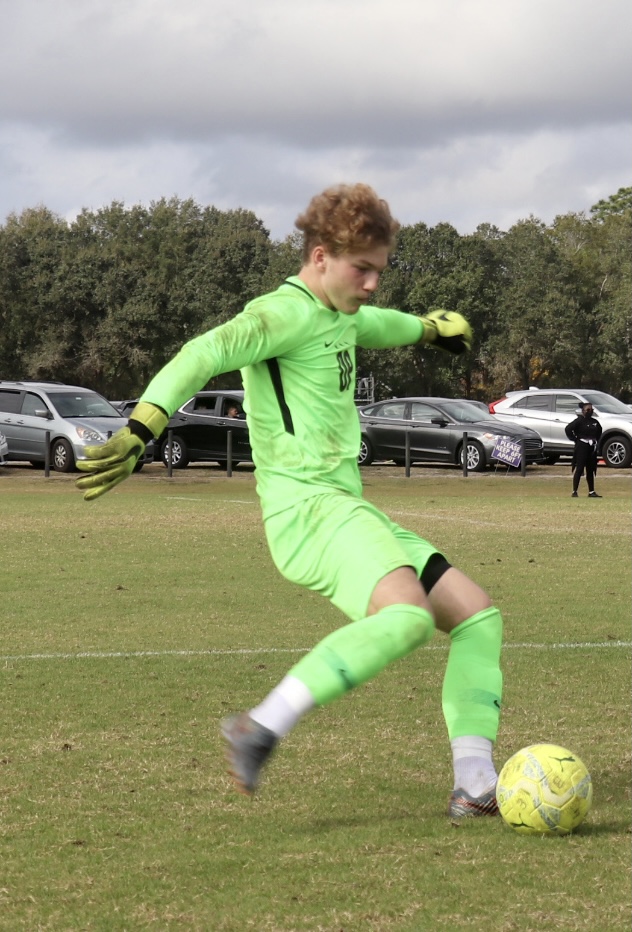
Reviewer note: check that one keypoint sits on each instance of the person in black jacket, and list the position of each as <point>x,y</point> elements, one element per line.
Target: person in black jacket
<point>585,432</point>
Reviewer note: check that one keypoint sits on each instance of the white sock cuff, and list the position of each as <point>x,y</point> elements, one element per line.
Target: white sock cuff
<point>284,707</point>
<point>296,694</point>
<point>471,746</point>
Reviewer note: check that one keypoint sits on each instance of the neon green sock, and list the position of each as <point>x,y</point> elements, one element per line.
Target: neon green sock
<point>472,685</point>
<point>358,651</point>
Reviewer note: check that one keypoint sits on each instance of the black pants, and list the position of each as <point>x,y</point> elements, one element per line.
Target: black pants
<point>585,457</point>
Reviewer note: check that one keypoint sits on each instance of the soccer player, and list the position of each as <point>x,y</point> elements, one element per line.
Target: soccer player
<point>296,350</point>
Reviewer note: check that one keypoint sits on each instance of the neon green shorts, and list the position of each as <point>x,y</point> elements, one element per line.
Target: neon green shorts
<point>342,546</point>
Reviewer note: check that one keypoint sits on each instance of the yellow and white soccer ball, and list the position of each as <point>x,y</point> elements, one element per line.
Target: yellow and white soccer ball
<point>544,789</point>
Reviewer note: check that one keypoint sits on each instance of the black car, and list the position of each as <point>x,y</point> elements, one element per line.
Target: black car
<point>435,427</point>
<point>200,429</point>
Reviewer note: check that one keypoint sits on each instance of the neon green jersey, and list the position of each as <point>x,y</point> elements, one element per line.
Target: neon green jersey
<point>297,360</point>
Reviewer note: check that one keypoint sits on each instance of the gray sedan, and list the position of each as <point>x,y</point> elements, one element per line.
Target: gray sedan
<point>435,428</point>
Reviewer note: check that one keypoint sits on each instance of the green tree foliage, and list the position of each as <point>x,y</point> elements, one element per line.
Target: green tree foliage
<point>285,260</point>
<point>436,268</point>
<point>618,203</point>
<point>108,298</point>
<point>34,253</point>
<point>613,357</point>
<point>534,339</point>
<point>168,273</point>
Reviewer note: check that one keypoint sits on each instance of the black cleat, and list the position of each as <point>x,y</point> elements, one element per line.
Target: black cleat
<point>249,746</point>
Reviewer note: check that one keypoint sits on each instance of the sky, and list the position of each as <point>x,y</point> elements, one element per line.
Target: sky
<point>456,111</point>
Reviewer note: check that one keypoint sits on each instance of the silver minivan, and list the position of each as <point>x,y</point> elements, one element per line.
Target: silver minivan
<point>65,419</point>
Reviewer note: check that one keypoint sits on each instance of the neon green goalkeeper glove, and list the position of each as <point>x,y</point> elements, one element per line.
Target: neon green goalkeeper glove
<point>116,459</point>
<point>448,331</point>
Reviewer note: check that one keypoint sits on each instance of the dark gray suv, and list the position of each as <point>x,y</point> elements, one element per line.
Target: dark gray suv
<point>73,418</point>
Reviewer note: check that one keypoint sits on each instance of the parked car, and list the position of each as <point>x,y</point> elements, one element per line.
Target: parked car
<point>435,427</point>
<point>200,429</point>
<point>75,417</point>
<point>477,404</point>
<point>125,407</point>
<point>549,410</point>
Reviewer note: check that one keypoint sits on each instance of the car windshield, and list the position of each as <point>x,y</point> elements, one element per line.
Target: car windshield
<point>82,404</point>
<point>462,411</point>
<point>607,404</point>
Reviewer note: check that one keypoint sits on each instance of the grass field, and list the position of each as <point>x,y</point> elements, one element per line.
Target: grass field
<point>131,625</point>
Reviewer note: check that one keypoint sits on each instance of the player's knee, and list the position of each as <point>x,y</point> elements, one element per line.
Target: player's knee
<point>425,628</point>
<point>422,629</point>
<point>485,626</point>
<point>494,621</point>
<point>414,625</point>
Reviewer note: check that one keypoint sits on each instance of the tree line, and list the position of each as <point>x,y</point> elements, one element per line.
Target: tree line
<point>106,299</point>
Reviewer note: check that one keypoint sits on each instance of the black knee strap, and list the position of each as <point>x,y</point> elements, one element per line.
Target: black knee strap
<point>433,571</point>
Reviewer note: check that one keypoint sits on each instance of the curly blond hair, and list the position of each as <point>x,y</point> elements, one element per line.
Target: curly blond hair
<point>346,218</point>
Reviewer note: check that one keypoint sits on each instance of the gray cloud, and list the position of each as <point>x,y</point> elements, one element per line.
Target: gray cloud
<point>459,110</point>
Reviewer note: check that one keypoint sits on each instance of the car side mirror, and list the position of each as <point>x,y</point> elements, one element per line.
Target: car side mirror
<point>43,412</point>
<point>440,421</point>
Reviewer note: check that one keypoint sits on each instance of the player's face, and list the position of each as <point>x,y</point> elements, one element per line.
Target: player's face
<point>348,281</point>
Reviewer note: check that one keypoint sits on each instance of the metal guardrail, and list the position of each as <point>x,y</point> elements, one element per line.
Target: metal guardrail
<point>523,456</point>
<point>229,453</point>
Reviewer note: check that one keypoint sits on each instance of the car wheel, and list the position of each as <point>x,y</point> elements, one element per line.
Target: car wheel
<point>617,452</point>
<point>365,457</point>
<point>61,456</point>
<point>179,453</point>
<point>475,456</point>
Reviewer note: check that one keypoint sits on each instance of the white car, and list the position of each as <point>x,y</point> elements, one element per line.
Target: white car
<point>549,410</point>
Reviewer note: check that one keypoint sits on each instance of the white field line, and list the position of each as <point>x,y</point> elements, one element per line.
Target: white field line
<point>230,652</point>
<point>197,499</point>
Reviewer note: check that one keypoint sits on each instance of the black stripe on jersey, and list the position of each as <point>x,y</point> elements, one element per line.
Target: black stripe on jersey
<point>277,384</point>
<point>304,290</point>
